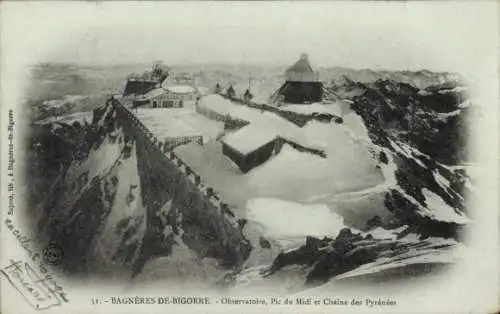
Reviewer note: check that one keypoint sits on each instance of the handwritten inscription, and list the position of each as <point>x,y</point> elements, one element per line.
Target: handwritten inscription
<point>41,292</point>
<point>36,285</point>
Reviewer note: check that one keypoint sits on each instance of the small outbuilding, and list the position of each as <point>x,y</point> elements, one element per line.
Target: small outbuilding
<point>249,147</point>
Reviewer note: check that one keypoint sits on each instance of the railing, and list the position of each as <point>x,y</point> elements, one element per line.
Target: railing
<point>164,149</point>
<point>297,118</point>
<point>300,119</point>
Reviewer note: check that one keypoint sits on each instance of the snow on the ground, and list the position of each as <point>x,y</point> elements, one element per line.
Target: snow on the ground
<point>314,135</point>
<point>383,234</point>
<point>298,175</point>
<point>437,209</point>
<point>449,252</point>
<point>293,175</point>
<point>56,103</point>
<point>333,108</point>
<point>456,89</point>
<point>451,113</point>
<point>249,138</point>
<point>464,104</point>
<point>441,211</point>
<point>288,220</point>
<point>359,207</point>
<point>167,126</point>
<point>72,104</point>
<point>218,172</point>
<point>127,202</point>
<point>445,115</point>
<point>209,128</point>
<point>473,171</point>
<point>289,279</point>
<point>336,138</point>
<point>356,126</point>
<point>97,164</point>
<point>265,124</point>
<point>80,117</point>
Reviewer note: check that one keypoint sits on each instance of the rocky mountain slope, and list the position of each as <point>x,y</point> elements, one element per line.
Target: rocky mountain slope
<point>436,120</point>
<point>113,203</point>
<point>101,194</point>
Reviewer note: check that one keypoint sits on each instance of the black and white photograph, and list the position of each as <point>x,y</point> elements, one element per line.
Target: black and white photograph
<point>250,156</point>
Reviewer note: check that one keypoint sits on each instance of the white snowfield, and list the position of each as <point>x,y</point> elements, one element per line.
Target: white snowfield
<point>296,177</point>
<point>291,175</point>
<point>288,220</point>
<point>299,176</point>
<point>218,172</point>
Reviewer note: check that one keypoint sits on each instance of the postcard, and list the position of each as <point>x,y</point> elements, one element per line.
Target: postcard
<point>241,157</point>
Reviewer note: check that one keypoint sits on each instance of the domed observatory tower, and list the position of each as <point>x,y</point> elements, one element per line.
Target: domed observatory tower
<point>302,85</point>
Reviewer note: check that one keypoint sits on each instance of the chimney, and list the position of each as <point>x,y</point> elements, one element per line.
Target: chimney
<point>304,56</point>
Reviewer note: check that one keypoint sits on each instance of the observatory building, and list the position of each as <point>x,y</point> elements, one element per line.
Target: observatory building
<point>302,84</point>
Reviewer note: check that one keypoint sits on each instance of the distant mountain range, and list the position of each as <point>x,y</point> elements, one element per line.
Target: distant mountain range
<point>51,80</point>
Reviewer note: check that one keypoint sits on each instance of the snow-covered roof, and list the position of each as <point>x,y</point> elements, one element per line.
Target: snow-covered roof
<point>249,138</point>
<point>151,94</point>
<point>181,89</point>
<point>164,123</point>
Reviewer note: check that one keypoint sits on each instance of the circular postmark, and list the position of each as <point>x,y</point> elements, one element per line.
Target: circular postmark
<point>53,254</point>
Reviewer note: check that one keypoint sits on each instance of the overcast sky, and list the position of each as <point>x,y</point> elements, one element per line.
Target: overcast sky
<point>384,35</point>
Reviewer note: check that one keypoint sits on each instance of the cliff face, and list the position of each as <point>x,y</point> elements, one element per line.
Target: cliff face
<point>121,201</point>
